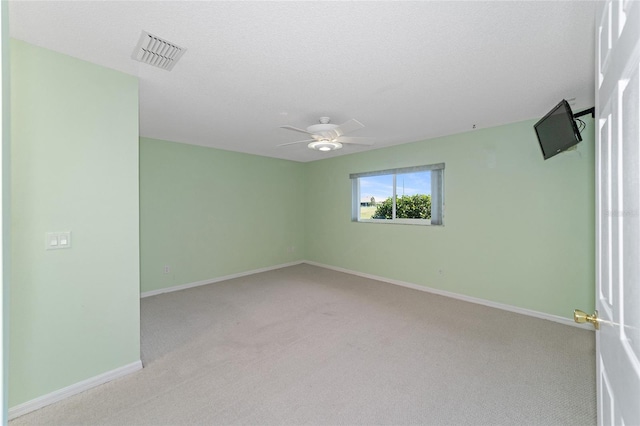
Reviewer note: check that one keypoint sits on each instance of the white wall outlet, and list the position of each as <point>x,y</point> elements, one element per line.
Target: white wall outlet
<point>166,269</point>
<point>57,240</point>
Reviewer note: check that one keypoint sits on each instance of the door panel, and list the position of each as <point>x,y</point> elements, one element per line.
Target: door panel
<point>630,209</point>
<point>618,213</point>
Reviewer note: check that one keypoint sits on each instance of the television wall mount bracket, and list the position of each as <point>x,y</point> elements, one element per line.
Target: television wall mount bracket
<point>591,111</point>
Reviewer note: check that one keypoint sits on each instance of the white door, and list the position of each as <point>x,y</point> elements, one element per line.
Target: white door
<point>618,212</point>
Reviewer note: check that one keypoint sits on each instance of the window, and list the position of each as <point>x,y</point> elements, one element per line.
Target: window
<point>410,195</point>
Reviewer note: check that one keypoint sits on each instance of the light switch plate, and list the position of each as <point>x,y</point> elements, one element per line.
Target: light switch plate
<point>51,241</point>
<point>64,239</point>
<point>57,240</point>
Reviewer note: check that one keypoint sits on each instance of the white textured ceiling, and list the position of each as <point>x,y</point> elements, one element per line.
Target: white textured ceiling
<point>407,70</point>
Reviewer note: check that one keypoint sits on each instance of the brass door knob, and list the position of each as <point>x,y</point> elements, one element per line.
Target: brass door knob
<point>581,317</point>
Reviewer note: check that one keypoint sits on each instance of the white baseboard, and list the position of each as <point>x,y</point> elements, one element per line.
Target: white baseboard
<point>60,394</point>
<point>505,307</point>
<point>215,280</point>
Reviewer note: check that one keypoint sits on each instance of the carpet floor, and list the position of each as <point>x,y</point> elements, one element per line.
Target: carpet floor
<point>304,345</point>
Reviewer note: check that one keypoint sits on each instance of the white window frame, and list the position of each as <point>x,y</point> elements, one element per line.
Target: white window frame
<point>437,194</point>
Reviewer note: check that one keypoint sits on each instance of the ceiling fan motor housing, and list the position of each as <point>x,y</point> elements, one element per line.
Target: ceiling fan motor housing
<point>323,131</point>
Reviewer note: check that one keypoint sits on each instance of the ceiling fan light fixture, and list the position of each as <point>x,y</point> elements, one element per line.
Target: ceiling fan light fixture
<point>325,145</point>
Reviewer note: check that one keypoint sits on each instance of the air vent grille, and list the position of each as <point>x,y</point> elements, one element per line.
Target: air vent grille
<point>157,52</point>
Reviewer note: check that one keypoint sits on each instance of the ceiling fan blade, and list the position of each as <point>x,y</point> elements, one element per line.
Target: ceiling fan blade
<point>352,142</point>
<point>349,126</point>
<point>295,129</point>
<point>293,143</point>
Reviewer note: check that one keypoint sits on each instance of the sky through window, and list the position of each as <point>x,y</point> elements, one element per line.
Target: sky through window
<point>381,187</point>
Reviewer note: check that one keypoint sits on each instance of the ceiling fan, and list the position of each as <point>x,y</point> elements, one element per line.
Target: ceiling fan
<point>327,136</point>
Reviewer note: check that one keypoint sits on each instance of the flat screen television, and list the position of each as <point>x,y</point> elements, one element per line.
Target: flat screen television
<point>557,131</point>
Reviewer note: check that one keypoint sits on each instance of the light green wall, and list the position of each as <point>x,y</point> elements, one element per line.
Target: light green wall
<point>6,217</point>
<point>518,230</point>
<point>74,312</point>
<point>207,213</point>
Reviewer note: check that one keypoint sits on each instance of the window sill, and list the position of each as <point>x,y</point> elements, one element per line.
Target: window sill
<point>419,222</point>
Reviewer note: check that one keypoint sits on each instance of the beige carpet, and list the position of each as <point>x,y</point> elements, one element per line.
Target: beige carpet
<point>306,345</point>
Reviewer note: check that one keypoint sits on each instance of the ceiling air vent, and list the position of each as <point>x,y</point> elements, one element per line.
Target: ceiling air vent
<point>155,51</point>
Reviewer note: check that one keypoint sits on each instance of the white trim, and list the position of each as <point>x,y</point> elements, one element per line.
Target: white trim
<point>504,307</point>
<point>218,279</point>
<point>60,394</point>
